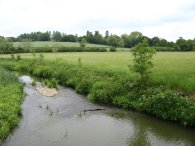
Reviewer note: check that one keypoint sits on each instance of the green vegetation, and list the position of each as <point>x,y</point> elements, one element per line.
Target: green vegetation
<point>83,42</point>
<point>142,58</point>
<point>111,86</point>
<point>53,83</point>
<point>11,96</point>
<point>125,40</point>
<point>50,44</point>
<point>175,70</point>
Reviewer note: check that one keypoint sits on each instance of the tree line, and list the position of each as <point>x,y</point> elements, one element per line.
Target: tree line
<point>125,40</point>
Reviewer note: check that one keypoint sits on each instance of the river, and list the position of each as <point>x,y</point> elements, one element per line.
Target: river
<point>62,120</point>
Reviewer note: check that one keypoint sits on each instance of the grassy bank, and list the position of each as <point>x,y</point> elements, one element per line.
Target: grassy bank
<point>116,88</point>
<point>11,95</point>
<point>175,70</point>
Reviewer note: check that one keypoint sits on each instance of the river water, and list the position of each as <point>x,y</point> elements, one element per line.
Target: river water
<point>61,121</point>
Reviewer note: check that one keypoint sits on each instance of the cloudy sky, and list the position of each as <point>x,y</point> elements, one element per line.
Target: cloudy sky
<point>167,19</point>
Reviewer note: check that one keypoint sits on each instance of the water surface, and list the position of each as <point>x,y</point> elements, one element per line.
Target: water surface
<point>60,121</point>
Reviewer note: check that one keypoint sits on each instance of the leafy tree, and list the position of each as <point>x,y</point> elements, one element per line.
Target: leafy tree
<point>114,41</point>
<point>184,45</point>
<point>143,54</point>
<point>107,34</point>
<point>6,47</point>
<point>83,42</point>
<point>56,36</point>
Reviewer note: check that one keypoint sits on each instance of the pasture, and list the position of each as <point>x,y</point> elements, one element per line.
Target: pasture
<point>53,44</point>
<point>176,70</point>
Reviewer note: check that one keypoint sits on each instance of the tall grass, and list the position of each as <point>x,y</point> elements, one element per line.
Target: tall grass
<point>7,77</point>
<point>11,95</point>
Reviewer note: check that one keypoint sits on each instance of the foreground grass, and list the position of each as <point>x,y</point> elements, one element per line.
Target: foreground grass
<point>111,87</point>
<point>11,95</point>
<point>175,70</point>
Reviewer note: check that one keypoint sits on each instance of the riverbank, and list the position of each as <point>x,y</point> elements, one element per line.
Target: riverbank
<point>113,88</point>
<point>70,119</point>
<point>11,97</point>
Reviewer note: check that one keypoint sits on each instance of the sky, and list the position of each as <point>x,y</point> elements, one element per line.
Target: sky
<point>169,19</point>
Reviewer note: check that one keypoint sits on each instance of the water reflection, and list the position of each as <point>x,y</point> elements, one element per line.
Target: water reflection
<point>150,131</point>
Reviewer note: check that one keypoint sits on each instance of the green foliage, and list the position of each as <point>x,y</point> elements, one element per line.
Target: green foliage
<point>11,96</point>
<point>41,57</point>
<point>143,61</point>
<point>12,56</point>
<point>83,42</point>
<point>118,89</point>
<point>80,49</point>
<point>122,101</point>
<point>33,83</point>
<point>102,92</point>
<point>169,106</point>
<point>165,49</point>
<point>18,57</point>
<point>6,47</point>
<point>53,83</point>
<point>113,49</point>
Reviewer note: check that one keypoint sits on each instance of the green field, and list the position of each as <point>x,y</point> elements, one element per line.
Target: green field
<point>53,44</point>
<point>175,70</point>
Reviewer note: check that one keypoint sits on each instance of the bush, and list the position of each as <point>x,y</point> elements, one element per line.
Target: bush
<point>122,101</point>
<point>102,92</point>
<point>170,106</point>
<point>113,49</point>
<point>41,50</point>
<point>85,85</point>
<point>53,83</point>
<point>80,49</point>
<point>18,57</point>
<point>168,49</point>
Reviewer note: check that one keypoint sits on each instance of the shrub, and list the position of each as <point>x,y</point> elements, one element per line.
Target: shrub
<point>102,92</point>
<point>53,83</point>
<point>170,106</point>
<point>122,101</point>
<point>18,57</point>
<point>113,49</point>
<point>142,58</point>
<point>85,85</point>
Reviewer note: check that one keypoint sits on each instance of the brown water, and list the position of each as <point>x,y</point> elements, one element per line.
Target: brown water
<point>59,121</point>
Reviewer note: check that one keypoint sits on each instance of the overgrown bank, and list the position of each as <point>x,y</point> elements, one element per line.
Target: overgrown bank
<point>11,96</point>
<point>115,88</point>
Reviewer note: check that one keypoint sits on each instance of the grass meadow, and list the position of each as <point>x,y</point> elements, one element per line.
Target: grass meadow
<point>176,70</point>
<point>53,44</point>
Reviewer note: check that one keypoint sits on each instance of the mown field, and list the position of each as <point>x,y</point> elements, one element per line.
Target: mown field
<point>53,44</point>
<point>176,70</point>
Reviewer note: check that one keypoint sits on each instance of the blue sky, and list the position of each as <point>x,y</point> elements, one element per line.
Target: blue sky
<point>167,19</point>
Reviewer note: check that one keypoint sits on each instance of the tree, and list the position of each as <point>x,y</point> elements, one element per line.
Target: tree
<point>107,34</point>
<point>114,41</point>
<point>83,42</point>
<point>6,47</point>
<point>184,45</point>
<point>142,58</point>
<point>56,36</point>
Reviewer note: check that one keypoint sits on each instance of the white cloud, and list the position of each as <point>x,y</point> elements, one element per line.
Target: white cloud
<point>163,18</point>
